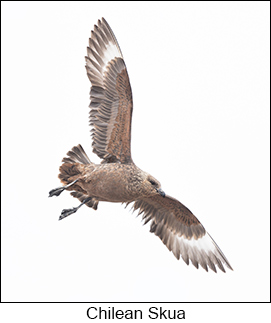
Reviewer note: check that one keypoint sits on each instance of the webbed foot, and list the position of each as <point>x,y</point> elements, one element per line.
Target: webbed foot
<point>59,190</point>
<point>56,191</point>
<point>67,212</point>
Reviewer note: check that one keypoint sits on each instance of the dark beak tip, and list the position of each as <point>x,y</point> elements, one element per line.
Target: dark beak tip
<point>162,193</point>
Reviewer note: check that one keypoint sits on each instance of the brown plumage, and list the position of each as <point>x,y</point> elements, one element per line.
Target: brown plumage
<point>117,178</point>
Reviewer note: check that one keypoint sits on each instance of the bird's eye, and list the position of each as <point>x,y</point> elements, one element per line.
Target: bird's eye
<point>152,182</point>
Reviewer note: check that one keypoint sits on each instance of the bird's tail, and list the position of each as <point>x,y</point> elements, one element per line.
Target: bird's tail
<point>73,165</point>
<point>71,172</point>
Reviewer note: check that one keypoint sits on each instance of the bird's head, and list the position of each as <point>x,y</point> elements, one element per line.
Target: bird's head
<point>153,186</point>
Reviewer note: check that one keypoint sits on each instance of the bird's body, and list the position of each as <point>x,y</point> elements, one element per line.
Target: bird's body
<point>112,182</point>
<point>117,178</point>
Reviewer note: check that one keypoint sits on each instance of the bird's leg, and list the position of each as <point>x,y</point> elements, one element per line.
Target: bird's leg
<point>67,212</point>
<point>59,190</point>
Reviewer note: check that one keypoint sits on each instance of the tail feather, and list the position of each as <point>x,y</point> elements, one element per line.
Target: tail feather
<point>73,166</point>
<point>72,169</point>
<point>77,155</point>
<point>69,172</point>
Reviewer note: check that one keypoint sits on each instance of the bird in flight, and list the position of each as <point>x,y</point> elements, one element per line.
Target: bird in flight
<point>117,178</point>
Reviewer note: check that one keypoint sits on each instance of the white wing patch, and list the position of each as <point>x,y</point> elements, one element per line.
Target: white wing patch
<point>203,251</point>
<point>110,53</point>
<point>103,47</point>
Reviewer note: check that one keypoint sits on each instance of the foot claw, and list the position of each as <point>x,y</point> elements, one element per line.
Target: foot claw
<point>56,191</point>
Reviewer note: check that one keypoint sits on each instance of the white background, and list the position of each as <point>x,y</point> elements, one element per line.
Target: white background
<point>199,72</point>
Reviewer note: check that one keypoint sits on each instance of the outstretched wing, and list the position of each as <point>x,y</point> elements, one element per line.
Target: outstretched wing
<point>111,96</point>
<point>181,232</point>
